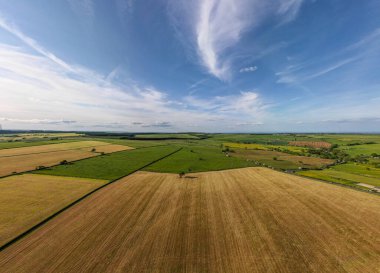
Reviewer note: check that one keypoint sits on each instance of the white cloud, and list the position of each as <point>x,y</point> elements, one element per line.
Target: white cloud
<point>220,24</point>
<point>243,105</point>
<point>36,93</point>
<point>248,69</point>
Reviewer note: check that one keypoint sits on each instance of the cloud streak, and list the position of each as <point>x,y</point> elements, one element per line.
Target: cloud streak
<point>13,29</point>
<point>220,24</point>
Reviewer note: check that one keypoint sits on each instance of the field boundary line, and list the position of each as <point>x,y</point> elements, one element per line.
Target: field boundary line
<point>64,141</point>
<point>73,161</point>
<point>72,149</point>
<point>30,230</point>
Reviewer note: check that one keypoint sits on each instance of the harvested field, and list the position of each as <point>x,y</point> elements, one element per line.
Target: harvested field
<point>27,199</point>
<point>15,160</point>
<point>56,147</point>
<point>243,220</point>
<point>13,137</point>
<point>110,148</point>
<point>311,144</point>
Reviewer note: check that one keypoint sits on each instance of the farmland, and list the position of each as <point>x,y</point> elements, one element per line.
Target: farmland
<point>312,144</point>
<point>27,199</point>
<point>111,166</point>
<point>256,146</point>
<point>29,158</point>
<point>78,145</point>
<point>281,160</point>
<point>29,136</point>
<point>197,159</point>
<point>348,174</point>
<point>29,143</point>
<point>165,136</point>
<point>214,200</point>
<point>363,149</point>
<point>243,220</point>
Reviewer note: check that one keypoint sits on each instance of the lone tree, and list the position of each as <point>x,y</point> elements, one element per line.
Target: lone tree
<point>181,174</point>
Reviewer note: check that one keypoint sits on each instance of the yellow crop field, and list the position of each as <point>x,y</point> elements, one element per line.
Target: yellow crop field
<point>27,199</point>
<point>16,164</point>
<point>243,220</point>
<point>52,148</point>
<point>29,158</point>
<point>110,148</point>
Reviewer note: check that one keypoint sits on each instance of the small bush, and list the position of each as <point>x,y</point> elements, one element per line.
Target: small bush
<point>64,162</point>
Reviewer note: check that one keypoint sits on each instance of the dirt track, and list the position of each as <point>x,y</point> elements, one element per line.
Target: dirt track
<point>245,220</point>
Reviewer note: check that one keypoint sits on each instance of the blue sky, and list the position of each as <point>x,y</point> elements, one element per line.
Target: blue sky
<point>202,65</point>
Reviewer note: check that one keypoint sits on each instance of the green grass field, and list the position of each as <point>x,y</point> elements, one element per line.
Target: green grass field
<point>341,177</point>
<point>344,139</point>
<point>365,149</point>
<point>130,143</point>
<point>111,166</point>
<point>359,169</point>
<point>163,136</point>
<point>198,159</point>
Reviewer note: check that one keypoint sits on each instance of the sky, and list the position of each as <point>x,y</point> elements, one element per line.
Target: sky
<point>196,66</point>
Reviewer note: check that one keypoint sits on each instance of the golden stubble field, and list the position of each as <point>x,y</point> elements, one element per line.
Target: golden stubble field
<point>27,199</point>
<point>29,158</point>
<point>243,220</point>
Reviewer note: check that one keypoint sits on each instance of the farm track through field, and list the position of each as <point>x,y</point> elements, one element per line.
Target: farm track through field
<point>242,220</point>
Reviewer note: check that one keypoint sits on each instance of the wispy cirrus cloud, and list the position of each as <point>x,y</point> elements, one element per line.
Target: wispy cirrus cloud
<point>220,24</point>
<point>38,86</point>
<point>351,54</point>
<point>13,29</point>
<point>244,104</point>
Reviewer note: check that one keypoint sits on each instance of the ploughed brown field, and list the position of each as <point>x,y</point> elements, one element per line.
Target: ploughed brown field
<point>242,220</point>
<point>26,200</point>
<point>29,158</point>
